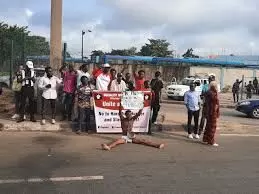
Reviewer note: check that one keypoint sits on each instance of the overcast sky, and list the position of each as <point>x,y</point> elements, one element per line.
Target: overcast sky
<point>209,27</point>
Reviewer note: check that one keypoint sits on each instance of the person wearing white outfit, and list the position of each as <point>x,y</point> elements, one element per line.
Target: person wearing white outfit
<point>118,85</point>
<point>48,84</point>
<point>104,78</point>
<point>83,71</point>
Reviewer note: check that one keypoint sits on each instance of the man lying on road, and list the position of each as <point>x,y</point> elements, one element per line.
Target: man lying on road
<point>127,135</point>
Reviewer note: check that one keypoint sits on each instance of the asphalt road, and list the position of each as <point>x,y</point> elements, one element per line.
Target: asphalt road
<point>184,166</point>
<point>226,114</point>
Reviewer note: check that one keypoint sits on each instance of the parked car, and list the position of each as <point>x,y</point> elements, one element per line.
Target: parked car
<point>177,90</point>
<point>249,107</point>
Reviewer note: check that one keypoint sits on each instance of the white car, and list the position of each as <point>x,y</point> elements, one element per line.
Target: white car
<point>178,90</point>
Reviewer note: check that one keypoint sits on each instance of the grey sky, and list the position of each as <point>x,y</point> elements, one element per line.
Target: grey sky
<point>210,27</point>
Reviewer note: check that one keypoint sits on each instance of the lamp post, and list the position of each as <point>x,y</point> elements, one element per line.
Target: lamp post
<point>82,51</point>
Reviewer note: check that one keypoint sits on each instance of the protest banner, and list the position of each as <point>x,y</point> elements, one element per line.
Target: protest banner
<point>106,107</point>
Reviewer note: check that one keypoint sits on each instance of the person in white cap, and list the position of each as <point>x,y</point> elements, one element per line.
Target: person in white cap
<point>104,78</point>
<point>27,91</point>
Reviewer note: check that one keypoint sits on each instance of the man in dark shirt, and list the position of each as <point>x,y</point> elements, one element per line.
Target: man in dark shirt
<point>249,90</point>
<point>255,83</point>
<point>156,86</point>
<point>235,90</point>
<point>127,135</point>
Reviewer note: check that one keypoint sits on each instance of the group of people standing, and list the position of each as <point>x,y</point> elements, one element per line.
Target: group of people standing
<point>77,87</point>
<point>251,88</point>
<point>210,111</point>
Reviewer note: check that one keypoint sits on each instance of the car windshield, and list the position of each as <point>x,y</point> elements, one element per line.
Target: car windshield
<point>186,82</point>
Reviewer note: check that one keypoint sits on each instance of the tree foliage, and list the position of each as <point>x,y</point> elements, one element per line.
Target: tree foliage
<point>23,43</point>
<point>189,54</point>
<point>156,48</point>
<point>97,53</point>
<point>124,52</point>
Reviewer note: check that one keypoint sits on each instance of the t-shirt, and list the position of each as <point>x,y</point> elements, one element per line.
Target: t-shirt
<point>69,82</point>
<point>102,82</point>
<point>205,88</point>
<point>156,86</point>
<point>84,94</point>
<point>249,88</point>
<point>97,72</point>
<point>79,75</point>
<point>118,87</point>
<point>139,83</point>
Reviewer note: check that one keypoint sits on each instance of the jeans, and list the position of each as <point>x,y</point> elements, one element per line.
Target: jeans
<point>17,98</point>
<point>52,105</point>
<point>196,115</point>
<point>84,118</point>
<point>27,92</point>
<point>67,102</point>
<point>236,96</point>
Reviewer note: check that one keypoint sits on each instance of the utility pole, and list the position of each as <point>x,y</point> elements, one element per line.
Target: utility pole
<point>56,35</point>
<point>11,65</point>
<point>64,53</point>
<point>82,52</point>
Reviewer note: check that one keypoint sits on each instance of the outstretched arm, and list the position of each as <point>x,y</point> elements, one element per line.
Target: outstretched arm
<point>120,112</point>
<point>137,115</point>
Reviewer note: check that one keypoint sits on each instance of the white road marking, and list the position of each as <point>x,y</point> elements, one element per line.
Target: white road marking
<point>239,135</point>
<point>54,179</point>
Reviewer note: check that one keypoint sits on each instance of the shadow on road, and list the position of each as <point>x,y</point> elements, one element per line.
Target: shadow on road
<point>39,165</point>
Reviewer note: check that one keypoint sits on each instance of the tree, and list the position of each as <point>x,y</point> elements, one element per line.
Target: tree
<point>97,53</point>
<point>36,45</point>
<point>23,43</point>
<point>156,48</point>
<point>124,52</point>
<point>68,55</point>
<point>189,54</point>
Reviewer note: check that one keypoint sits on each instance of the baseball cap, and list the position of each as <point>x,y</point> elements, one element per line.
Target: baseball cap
<point>107,65</point>
<point>29,64</point>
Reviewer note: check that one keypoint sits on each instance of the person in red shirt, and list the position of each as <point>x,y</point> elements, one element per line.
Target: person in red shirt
<point>97,71</point>
<point>139,80</point>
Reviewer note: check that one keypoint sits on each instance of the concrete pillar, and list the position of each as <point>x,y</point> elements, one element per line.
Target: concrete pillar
<point>161,69</point>
<point>56,34</point>
<point>222,85</point>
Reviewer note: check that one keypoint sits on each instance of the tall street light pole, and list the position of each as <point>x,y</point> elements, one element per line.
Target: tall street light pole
<point>82,51</point>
